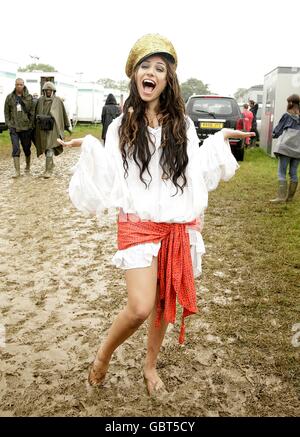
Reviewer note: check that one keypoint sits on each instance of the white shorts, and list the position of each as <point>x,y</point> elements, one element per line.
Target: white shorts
<point>141,255</point>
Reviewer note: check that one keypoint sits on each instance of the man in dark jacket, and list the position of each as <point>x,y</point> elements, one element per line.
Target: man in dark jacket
<point>51,121</point>
<point>254,109</point>
<point>19,118</point>
<point>110,111</point>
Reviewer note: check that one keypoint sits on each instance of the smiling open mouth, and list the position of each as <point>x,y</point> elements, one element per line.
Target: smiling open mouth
<point>148,85</point>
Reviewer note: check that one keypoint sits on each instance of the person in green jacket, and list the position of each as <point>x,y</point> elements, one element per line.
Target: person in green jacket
<point>19,118</point>
<point>51,121</point>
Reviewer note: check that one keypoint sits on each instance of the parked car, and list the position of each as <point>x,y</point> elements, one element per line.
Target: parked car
<point>211,113</point>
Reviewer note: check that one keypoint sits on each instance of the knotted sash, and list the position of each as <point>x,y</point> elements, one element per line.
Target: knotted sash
<point>175,270</point>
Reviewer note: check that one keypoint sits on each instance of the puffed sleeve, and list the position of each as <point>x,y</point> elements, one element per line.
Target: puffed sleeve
<point>95,184</point>
<point>91,180</point>
<point>213,159</point>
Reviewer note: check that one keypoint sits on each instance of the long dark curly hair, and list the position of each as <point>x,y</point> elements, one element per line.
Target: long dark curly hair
<point>293,103</point>
<point>136,142</point>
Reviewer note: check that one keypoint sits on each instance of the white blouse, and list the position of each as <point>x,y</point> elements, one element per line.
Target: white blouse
<point>98,183</point>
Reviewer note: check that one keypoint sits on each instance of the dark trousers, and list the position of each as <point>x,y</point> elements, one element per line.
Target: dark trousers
<point>25,138</point>
<point>256,133</point>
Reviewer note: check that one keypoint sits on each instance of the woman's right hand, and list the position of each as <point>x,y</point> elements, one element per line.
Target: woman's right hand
<point>75,142</point>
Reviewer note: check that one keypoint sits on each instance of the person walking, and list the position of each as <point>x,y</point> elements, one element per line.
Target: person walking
<point>51,121</point>
<point>19,118</point>
<point>110,111</point>
<point>287,149</point>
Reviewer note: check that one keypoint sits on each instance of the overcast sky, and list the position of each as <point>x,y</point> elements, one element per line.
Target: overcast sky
<point>227,44</point>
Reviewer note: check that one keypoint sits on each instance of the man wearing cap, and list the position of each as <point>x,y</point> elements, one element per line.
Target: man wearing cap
<point>51,121</point>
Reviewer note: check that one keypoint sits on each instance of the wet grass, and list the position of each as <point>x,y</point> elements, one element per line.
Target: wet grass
<point>85,129</point>
<point>5,145</point>
<point>257,245</point>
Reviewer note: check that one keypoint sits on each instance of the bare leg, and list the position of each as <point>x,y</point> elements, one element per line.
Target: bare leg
<point>155,339</point>
<point>141,288</point>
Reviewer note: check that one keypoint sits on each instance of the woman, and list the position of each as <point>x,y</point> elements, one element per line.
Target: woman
<point>248,119</point>
<point>110,111</point>
<point>287,149</point>
<point>153,170</point>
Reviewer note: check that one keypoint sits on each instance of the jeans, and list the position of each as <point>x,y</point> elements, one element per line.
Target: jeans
<point>24,137</point>
<point>284,161</point>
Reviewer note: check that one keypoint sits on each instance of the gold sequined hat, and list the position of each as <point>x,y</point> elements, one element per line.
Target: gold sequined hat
<point>148,45</point>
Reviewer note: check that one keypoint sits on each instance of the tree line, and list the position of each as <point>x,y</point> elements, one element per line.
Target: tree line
<point>188,88</point>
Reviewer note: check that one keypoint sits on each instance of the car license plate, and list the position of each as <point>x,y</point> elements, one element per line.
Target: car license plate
<point>211,125</point>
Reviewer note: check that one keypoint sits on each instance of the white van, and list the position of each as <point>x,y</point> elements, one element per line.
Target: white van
<point>8,75</point>
<point>90,102</point>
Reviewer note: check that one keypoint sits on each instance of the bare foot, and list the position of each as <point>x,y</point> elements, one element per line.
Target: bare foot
<point>153,382</point>
<point>97,371</point>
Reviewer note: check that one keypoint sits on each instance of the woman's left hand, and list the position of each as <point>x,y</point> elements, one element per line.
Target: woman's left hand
<point>231,133</point>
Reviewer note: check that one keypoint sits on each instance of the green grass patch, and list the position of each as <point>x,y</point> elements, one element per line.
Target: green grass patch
<point>81,130</point>
<point>257,244</point>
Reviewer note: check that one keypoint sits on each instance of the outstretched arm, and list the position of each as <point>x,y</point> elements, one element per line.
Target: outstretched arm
<point>231,133</point>
<point>75,142</point>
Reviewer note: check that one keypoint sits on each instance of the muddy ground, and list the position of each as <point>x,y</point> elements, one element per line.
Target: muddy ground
<point>59,293</point>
